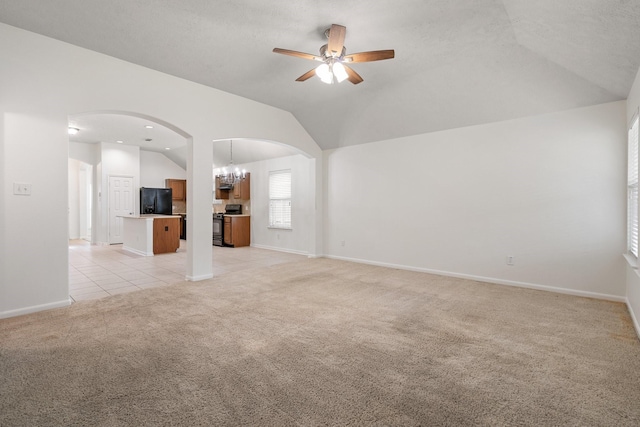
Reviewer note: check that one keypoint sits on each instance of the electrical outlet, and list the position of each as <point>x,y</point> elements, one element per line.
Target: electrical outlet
<point>21,189</point>
<point>511,260</point>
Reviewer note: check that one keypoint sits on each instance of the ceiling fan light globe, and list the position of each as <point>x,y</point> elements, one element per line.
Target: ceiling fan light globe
<point>340,72</point>
<point>324,72</point>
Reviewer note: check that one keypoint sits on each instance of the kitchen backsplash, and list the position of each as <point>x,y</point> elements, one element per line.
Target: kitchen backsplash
<point>220,208</point>
<point>179,206</point>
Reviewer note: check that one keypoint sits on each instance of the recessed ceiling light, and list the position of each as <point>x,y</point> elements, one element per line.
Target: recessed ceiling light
<point>73,131</point>
<point>119,142</point>
<point>167,148</point>
<point>149,127</point>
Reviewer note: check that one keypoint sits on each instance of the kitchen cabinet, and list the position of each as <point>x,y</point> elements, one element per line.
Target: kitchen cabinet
<point>221,194</point>
<point>178,188</point>
<point>240,191</point>
<point>183,226</point>
<point>166,235</point>
<point>237,230</point>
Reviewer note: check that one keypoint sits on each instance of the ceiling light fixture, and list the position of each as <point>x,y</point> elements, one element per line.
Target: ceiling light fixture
<point>73,131</point>
<point>149,127</point>
<point>331,71</point>
<point>119,141</point>
<point>231,174</point>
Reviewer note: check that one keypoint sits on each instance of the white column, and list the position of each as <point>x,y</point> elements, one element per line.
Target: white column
<point>199,208</point>
<point>317,178</point>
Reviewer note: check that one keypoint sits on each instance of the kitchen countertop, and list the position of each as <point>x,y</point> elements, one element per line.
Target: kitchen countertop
<point>237,215</point>
<point>150,216</point>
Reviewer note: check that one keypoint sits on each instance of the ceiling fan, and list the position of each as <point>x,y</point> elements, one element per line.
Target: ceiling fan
<point>335,59</point>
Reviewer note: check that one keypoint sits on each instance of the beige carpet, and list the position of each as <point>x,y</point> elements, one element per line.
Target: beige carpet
<point>323,342</point>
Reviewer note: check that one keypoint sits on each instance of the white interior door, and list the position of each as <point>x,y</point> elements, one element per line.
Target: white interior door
<point>121,199</point>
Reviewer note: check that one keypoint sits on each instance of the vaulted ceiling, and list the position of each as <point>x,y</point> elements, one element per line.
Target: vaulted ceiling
<point>457,63</point>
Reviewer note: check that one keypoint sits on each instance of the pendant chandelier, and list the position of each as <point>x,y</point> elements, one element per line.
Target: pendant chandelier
<point>231,174</point>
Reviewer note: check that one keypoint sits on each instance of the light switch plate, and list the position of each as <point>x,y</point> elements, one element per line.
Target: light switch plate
<point>21,189</point>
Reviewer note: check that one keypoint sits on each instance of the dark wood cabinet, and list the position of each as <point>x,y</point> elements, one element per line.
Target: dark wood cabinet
<point>237,230</point>
<point>166,235</point>
<point>178,188</point>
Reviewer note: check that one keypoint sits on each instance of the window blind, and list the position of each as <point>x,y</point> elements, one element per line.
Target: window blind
<point>632,190</point>
<point>280,199</point>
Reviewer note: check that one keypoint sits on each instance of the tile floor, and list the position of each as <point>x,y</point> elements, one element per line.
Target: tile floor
<point>100,271</point>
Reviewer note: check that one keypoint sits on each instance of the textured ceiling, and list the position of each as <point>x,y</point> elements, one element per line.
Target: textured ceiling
<point>457,63</point>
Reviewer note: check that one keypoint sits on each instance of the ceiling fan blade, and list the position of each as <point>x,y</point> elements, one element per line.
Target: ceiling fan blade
<point>352,76</point>
<point>336,39</point>
<point>306,75</point>
<point>374,55</point>
<point>296,54</point>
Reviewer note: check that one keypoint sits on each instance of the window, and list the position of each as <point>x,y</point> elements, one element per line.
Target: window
<point>632,190</point>
<point>280,199</point>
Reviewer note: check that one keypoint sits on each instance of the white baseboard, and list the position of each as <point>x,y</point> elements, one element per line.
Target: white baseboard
<point>136,251</point>
<point>273,248</point>
<point>199,278</point>
<point>35,308</point>
<point>634,318</point>
<point>535,286</point>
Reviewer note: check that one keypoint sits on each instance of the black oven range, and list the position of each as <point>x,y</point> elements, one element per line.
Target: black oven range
<point>218,222</point>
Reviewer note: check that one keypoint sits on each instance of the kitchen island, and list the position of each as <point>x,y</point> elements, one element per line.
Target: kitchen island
<point>149,235</point>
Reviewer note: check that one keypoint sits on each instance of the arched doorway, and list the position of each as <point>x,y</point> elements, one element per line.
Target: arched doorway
<point>260,154</point>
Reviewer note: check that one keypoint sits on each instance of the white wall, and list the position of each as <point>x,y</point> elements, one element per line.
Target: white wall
<point>43,82</point>
<point>87,153</point>
<point>35,229</point>
<point>297,239</point>
<point>548,190</point>
<point>632,274</point>
<point>156,167</point>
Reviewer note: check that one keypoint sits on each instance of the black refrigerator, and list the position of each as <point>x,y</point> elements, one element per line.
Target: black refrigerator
<point>155,201</point>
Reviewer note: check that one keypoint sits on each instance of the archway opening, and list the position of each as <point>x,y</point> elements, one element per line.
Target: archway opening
<point>113,145</point>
